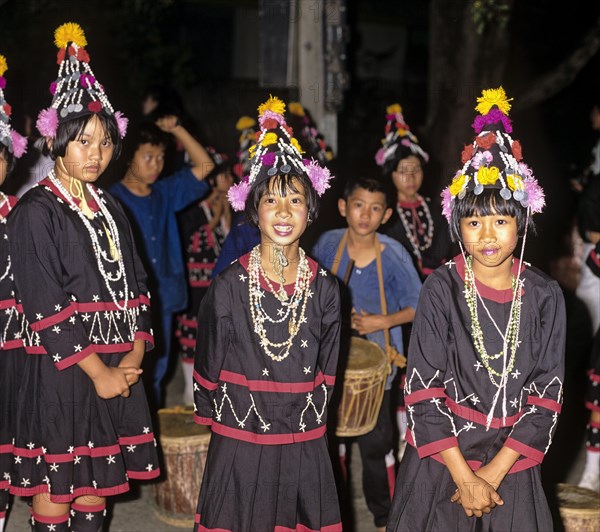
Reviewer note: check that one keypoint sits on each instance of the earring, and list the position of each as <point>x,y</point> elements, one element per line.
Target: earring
<point>309,220</point>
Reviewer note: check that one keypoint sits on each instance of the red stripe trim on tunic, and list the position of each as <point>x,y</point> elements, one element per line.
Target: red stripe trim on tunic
<point>93,348</point>
<point>525,450</point>
<point>199,284</point>
<point>44,323</point>
<point>278,528</point>
<point>11,303</point>
<point>268,439</point>
<point>6,448</point>
<point>593,424</point>
<point>140,438</point>
<point>426,393</point>
<point>591,406</point>
<point>143,335</point>
<point>69,497</point>
<point>471,414</point>
<point>594,377</point>
<point>187,342</point>
<point>273,386</point>
<point>85,508</point>
<point>187,322</point>
<point>13,344</point>
<point>427,271</point>
<point>192,265</point>
<point>202,420</point>
<point>143,475</point>
<point>211,386</point>
<point>2,514</point>
<point>49,519</point>
<point>437,446</point>
<point>94,452</point>
<point>209,235</point>
<point>545,403</point>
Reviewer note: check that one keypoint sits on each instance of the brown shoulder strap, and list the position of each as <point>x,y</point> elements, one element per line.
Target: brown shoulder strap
<point>386,332</point>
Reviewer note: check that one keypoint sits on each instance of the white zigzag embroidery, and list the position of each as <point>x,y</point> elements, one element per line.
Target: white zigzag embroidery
<point>309,403</point>
<point>533,389</point>
<point>24,331</point>
<point>241,422</point>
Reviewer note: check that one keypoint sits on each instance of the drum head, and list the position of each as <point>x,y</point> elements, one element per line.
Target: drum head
<point>178,422</point>
<point>364,355</point>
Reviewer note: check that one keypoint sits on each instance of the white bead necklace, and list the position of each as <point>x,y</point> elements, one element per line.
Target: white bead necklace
<point>100,254</point>
<point>410,229</point>
<point>4,199</point>
<point>298,300</point>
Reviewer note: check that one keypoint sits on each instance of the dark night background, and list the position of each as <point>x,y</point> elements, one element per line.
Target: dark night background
<point>208,51</point>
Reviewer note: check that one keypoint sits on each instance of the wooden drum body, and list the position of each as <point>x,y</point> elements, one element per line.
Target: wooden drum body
<point>184,446</point>
<point>579,508</point>
<point>364,385</point>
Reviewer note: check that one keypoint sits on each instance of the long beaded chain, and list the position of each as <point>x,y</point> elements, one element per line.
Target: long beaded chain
<point>4,199</point>
<point>296,302</point>
<point>411,228</point>
<point>511,338</point>
<point>100,254</point>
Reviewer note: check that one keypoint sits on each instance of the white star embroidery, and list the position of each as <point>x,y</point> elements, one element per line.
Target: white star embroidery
<point>302,427</point>
<point>38,460</point>
<point>56,358</point>
<point>38,316</point>
<point>242,278</point>
<point>6,476</point>
<point>475,399</point>
<point>323,272</point>
<point>77,459</point>
<point>265,426</point>
<point>310,293</point>
<point>25,482</point>
<point>57,308</point>
<point>54,467</point>
<point>149,467</point>
<point>265,372</point>
<point>52,527</point>
<point>17,459</point>
<point>304,343</point>
<point>515,374</point>
<point>280,312</point>
<point>89,516</point>
<point>96,298</point>
<point>72,319</point>
<point>307,370</point>
<point>70,449</point>
<point>131,448</point>
<point>94,483</point>
<point>78,348</point>
<point>514,403</point>
<point>144,308</point>
<point>90,445</point>
<point>450,263</point>
<point>30,445</point>
<point>146,430</point>
<point>110,459</point>
<point>56,329</point>
<point>478,365</point>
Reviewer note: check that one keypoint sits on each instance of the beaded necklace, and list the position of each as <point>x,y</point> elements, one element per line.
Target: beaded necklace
<point>4,199</point>
<point>290,306</point>
<point>510,338</point>
<point>410,229</point>
<point>100,254</point>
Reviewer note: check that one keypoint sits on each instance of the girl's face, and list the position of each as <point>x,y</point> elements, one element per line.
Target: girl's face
<point>3,167</point>
<point>491,239</point>
<point>87,156</point>
<point>148,162</point>
<point>408,177</point>
<point>224,181</point>
<point>282,220</point>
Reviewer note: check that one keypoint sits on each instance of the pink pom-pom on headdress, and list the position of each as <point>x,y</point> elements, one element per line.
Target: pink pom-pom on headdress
<point>122,123</point>
<point>319,176</point>
<point>19,144</point>
<point>271,114</point>
<point>380,157</point>
<point>47,122</point>
<point>536,199</point>
<point>447,203</point>
<point>237,195</point>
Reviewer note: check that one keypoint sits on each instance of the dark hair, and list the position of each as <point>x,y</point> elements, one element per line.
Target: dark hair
<point>402,152</point>
<point>371,185</point>
<point>488,203</point>
<point>144,133</point>
<point>282,184</point>
<point>9,158</point>
<point>71,130</point>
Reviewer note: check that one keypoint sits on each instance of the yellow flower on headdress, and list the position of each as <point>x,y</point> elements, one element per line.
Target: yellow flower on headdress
<point>457,184</point>
<point>272,104</point>
<point>491,97</point>
<point>3,65</point>
<point>514,182</point>
<point>269,138</point>
<point>296,108</point>
<point>401,131</point>
<point>252,150</point>
<point>296,145</point>
<point>488,175</point>
<point>245,122</point>
<point>69,32</point>
<point>393,109</point>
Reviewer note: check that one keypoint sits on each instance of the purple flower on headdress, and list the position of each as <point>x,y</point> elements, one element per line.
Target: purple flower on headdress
<point>273,115</point>
<point>122,123</point>
<point>406,142</point>
<point>494,116</point>
<point>238,194</point>
<point>536,199</point>
<point>2,82</point>
<point>47,122</point>
<point>319,176</point>
<point>19,144</point>
<point>86,80</point>
<point>380,157</point>
<point>524,170</point>
<point>481,158</point>
<point>52,88</point>
<point>268,158</point>
<point>447,203</point>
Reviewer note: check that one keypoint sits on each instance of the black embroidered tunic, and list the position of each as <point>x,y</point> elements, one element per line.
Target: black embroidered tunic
<point>268,418</point>
<point>69,441</point>
<point>452,400</point>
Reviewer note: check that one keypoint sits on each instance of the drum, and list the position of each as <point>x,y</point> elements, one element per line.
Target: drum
<point>184,446</point>
<point>579,508</point>
<point>364,385</point>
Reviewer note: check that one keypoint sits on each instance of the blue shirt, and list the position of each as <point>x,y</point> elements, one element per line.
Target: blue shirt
<point>242,239</point>
<point>400,280</point>
<point>155,218</point>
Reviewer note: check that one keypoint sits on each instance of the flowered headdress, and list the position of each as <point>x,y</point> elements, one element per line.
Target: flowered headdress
<point>494,160</point>
<point>308,134</point>
<point>247,128</point>
<point>15,143</point>
<point>76,91</point>
<point>397,133</point>
<point>276,152</point>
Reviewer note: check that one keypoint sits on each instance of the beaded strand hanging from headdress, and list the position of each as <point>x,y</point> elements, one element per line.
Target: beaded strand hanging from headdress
<point>14,142</point>
<point>76,91</point>
<point>276,152</point>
